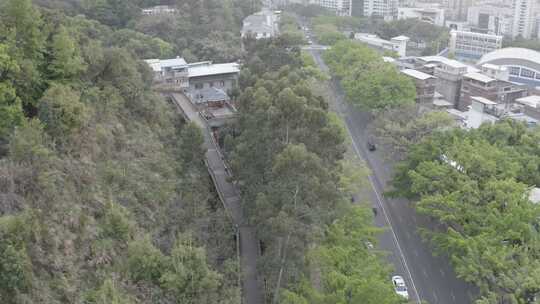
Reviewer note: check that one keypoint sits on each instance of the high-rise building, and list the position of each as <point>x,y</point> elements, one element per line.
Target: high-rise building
<point>493,18</point>
<point>457,9</point>
<point>386,9</point>
<point>342,7</point>
<point>523,18</point>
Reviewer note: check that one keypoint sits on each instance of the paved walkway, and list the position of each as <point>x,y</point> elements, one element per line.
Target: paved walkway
<point>230,196</point>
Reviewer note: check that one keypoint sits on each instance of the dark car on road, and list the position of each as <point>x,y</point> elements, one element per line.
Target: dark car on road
<point>371,144</point>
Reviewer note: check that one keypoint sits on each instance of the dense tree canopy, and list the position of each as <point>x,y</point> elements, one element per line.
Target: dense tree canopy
<point>350,272</point>
<point>476,184</point>
<point>369,83</point>
<point>402,127</point>
<point>435,38</point>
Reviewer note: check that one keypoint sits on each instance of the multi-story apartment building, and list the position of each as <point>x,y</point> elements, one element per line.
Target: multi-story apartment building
<point>472,46</point>
<point>341,7</point>
<point>479,85</point>
<point>523,16</point>
<point>449,74</point>
<point>386,9</point>
<point>493,18</point>
<point>457,9</point>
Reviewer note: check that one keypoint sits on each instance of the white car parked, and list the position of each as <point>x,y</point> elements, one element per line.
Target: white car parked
<point>400,287</point>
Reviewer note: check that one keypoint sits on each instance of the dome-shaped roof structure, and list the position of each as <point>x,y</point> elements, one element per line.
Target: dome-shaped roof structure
<point>511,53</point>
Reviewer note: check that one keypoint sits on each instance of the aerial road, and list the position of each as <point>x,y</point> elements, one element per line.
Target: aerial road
<point>428,278</point>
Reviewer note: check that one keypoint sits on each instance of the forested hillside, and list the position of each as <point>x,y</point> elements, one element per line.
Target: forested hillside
<point>200,30</point>
<point>104,197</point>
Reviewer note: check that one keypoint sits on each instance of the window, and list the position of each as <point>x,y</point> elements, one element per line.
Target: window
<point>211,84</point>
<point>198,86</point>
<point>514,71</point>
<point>527,73</point>
<point>222,83</point>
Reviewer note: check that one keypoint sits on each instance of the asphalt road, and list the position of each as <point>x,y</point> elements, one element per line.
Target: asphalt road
<point>429,278</point>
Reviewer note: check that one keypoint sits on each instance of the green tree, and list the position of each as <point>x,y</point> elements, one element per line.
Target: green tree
<point>23,23</point>
<point>117,223</point>
<point>192,144</point>
<point>11,114</point>
<point>15,264</point>
<point>328,34</point>
<point>62,112</point>
<point>188,277</point>
<point>349,272</point>
<point>369,83</point>
<point>380,87</point>
<point>403,127</point>
<point>28,144</point>
<point>145,262</point>
<point>108,293</point>
<point>476,184</point>
<point>66,61</point>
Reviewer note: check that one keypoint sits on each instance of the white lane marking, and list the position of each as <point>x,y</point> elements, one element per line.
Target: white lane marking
<point>395,238</point>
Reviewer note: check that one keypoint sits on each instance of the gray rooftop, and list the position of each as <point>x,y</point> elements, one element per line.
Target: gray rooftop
<point>209,95</point>
<point>416,74</point>
<point>207,68</point>
<point>158,64</point>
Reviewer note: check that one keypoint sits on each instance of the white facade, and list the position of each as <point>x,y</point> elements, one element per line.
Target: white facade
<point>264,24</point>
<point>396,44</point>
<point>496,71</point>
<point>342,7</point>
<point>170,71</point>
<point>523,18</point>
<point>472,46</point>
<point>157,10</point>
<point>431,15</point>
<point>481,111</point>
<point>381,8</point>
